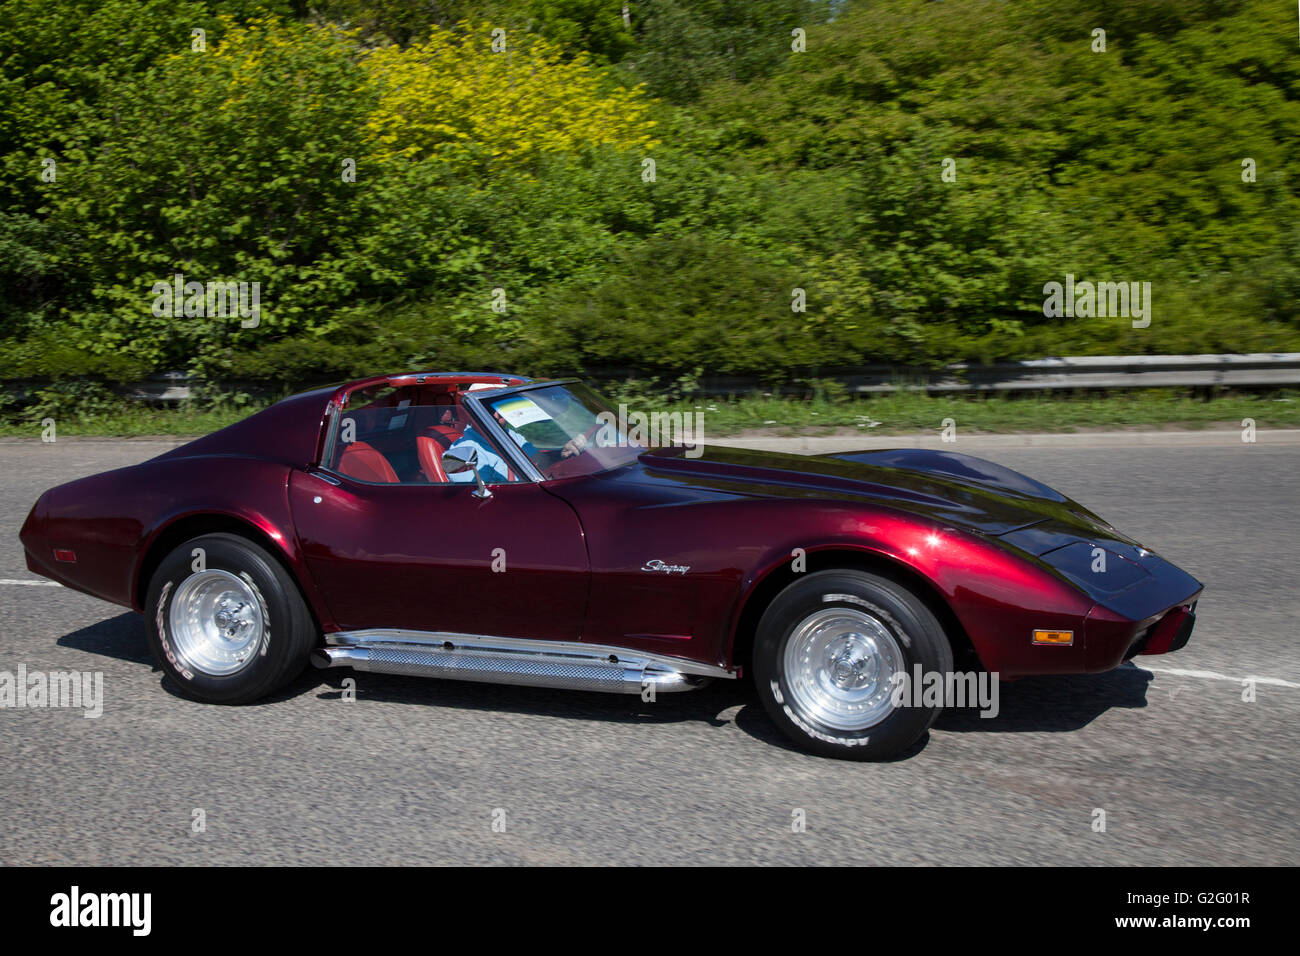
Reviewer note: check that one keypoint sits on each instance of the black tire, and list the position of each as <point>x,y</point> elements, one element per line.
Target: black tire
<point>916,633</point>
<point>278,654</point>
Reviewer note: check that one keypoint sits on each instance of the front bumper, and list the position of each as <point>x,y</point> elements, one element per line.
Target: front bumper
<point>1171,634</point>
<point>1113,639</point>
<point>1143,604</point>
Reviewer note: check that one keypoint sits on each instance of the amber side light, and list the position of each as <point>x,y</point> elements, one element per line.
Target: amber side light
<point>1059,638</point>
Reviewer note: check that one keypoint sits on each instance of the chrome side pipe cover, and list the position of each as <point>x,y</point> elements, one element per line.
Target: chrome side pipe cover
<point>567,666</point>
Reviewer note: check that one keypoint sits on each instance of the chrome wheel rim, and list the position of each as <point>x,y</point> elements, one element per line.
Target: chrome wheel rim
<point>839,667</point>
<point>216,622</point>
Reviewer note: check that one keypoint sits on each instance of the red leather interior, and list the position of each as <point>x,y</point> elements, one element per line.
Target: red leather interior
<point>362,462</point>
<point>374,460</point>
<point>436,439</point>
<point>430,448</point>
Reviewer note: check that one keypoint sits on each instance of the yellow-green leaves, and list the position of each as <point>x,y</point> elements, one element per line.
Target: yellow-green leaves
<point>509,99</point>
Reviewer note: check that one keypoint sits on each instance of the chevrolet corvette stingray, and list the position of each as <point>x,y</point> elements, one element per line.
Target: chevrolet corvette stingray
<point>490,527</point>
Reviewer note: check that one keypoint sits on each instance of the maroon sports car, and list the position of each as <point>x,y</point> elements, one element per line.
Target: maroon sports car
<point>494,528</point>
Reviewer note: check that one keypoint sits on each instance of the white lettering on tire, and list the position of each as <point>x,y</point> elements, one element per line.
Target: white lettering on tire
<point>813,731</point>
<point>162,634</point>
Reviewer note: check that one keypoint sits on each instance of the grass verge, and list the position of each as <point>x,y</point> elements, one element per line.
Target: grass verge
<point>902,413</point>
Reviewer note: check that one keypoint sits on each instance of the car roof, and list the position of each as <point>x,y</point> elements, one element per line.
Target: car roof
<point>400,379</point>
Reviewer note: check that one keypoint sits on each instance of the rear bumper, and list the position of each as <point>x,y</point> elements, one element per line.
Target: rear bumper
<point>35,544</point>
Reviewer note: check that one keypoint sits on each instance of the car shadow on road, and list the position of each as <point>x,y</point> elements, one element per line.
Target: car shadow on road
<point>1038,704</point>
<point>1053,704</point>
<point>706,704</point>
<point>121,638</point>
<point>717,705</point>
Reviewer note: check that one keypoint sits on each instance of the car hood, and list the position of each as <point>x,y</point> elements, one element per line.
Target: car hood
<point>949,488</point>
<point>955,491</point>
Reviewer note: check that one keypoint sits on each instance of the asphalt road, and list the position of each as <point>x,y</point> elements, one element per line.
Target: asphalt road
<point>417,771</point>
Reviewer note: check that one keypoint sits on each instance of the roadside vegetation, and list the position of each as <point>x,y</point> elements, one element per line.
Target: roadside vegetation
<point>550,187</point>
<point>822,414</point>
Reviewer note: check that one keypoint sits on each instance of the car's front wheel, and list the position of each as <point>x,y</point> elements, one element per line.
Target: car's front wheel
<point>835,657</point>
<point>226,621</point>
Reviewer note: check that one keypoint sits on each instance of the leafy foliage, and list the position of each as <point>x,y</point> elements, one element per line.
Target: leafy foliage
<point>639,194</point>
<point>466,95</point>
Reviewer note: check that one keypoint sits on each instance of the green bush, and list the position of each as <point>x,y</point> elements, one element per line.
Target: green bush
<point>773,171</point>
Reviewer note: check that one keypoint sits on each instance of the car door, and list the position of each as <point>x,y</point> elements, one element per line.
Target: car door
<point>433,557</point>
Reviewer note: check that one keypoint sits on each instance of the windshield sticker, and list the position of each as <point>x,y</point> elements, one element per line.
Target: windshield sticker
<point>520,411</point>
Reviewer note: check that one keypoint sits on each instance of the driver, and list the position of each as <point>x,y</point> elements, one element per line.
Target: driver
<point>492,468</point>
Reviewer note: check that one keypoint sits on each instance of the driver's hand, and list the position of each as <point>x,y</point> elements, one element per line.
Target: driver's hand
<point>575,446</point>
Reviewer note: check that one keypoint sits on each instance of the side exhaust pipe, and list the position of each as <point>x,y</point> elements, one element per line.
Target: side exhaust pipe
<point>565,666</point>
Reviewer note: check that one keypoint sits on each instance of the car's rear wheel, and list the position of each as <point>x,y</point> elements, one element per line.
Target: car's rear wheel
<point>226,621</point>
<point>835,657</point>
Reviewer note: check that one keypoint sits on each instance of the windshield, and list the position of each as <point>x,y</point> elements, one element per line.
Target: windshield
<point>565,430</point>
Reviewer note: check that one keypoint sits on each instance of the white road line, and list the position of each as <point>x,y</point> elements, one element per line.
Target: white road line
<point>1214,675</point>
<point>39,584</point>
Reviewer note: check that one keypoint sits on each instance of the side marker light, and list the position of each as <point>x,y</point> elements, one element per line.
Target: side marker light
<point>1057,638</point>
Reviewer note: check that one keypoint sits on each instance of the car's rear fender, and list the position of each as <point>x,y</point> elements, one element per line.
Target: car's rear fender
<point>121,524</point>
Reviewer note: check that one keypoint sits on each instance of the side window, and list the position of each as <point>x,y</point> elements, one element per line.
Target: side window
<point>364,428</point>
<point>493,466</point>
<point>388,436</point>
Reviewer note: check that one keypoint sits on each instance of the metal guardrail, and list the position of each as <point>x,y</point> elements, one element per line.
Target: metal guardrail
<point>1255,370</point>
<point>1260,369</point>
<point>163,387</point>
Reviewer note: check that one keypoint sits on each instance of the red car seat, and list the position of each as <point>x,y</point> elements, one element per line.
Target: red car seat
<point>430,448</point>
<point>362,462</point>
<point>436,439</point>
